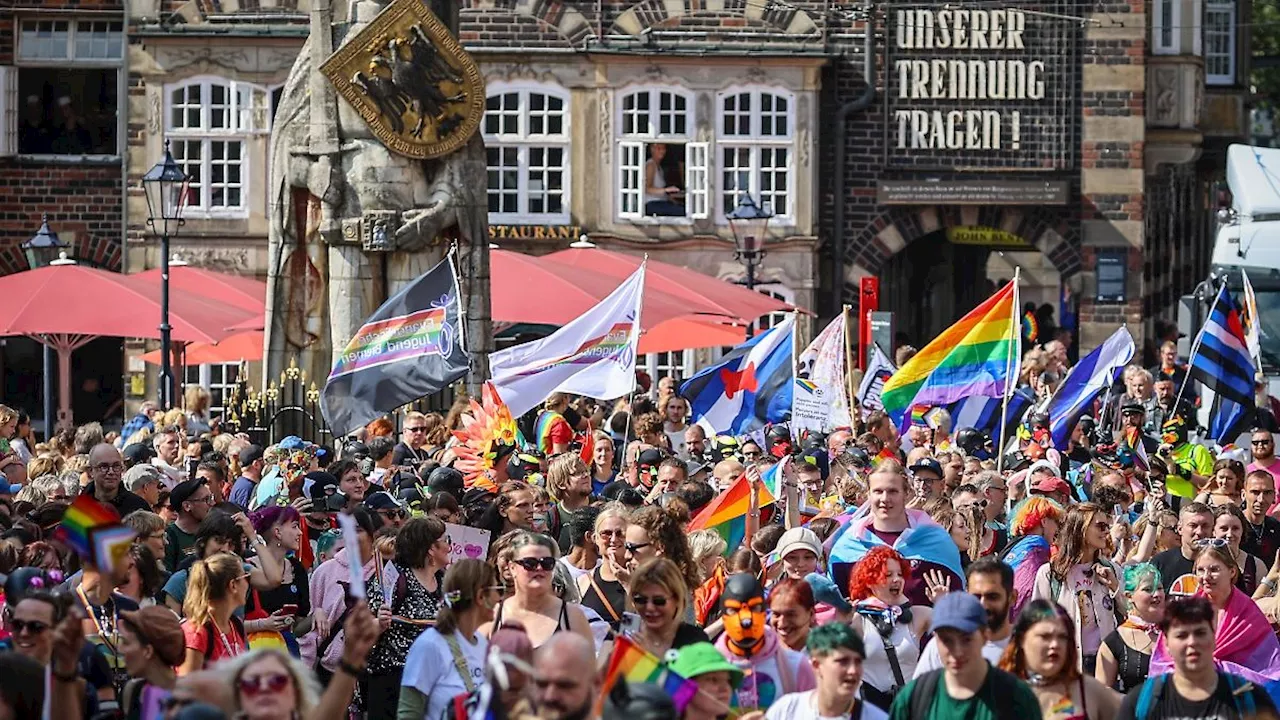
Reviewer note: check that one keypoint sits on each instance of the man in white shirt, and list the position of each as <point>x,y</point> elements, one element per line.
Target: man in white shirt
<point>991,581</point>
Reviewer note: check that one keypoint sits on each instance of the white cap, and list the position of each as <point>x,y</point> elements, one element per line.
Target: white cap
<point>799,538</point>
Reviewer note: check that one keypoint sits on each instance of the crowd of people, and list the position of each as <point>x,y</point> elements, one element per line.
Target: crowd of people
<point>924,572</point>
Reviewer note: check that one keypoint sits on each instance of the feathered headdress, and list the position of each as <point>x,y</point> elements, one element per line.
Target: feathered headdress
<point>487,431</point>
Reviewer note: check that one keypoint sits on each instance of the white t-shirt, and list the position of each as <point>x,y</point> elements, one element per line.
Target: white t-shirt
<point>430,668</point>
<point>679,447</point>
<point>929,659</point>
<point>804,706</point>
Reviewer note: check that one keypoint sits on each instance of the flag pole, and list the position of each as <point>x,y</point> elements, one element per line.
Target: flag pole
<point>1195,348</point>
<point>1010,365</point>
<point>850,391</point>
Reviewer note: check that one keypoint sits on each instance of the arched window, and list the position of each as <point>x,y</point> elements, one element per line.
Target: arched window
<point>662,174</point>
<point>208,121</point>
<point>526,132</point>
<point>755,147</point>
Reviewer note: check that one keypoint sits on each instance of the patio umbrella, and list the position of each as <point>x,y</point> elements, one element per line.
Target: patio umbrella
<point>528,289</point>
<point>66,306</point>
<point>726,298</point>
<point>234,290</point>
<point>243,346</point>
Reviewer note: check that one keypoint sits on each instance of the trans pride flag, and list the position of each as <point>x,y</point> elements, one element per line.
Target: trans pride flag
<point>1243,645</point>
<point>977,356</point>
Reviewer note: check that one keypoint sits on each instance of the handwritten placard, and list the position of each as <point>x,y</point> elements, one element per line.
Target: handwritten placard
<point>467,542</point>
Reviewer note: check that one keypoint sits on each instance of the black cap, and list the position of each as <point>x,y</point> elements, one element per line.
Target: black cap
<point>381,500</point>
<point>319,482</point>
<point>250,455</point>
<point>650,457</point>
<point>184,490</point>
<point>1132,405</point>
<point>521,465</point>
<point>138,453</point>
<point>927,465</point>
<point>446,479</point>
<point>355,448</point>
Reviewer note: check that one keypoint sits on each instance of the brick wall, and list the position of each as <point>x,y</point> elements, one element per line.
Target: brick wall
<point>83,200</point>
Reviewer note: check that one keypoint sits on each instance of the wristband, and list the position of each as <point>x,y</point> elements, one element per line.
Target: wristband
<point>69,678</point>
<point>350,669</point>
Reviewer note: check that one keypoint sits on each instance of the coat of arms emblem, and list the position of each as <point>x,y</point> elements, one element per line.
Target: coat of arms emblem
<point>418,90</point>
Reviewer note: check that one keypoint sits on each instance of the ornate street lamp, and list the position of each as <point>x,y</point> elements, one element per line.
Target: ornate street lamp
<point>166,190</point>
<point>43,249</point>
<point>748,221</point>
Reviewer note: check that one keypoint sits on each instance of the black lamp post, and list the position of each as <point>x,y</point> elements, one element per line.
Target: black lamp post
<point>41,250</point>
<point>748,221</point>
<point>166,190</point>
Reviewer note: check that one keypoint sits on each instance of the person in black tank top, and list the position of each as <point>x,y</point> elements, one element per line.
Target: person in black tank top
<point>606,597</point>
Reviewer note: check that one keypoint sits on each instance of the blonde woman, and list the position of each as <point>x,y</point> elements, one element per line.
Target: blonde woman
<point>14,469</point>
<point>604,589</point>
<point>708,550</point>
<point>216,586</point>
<point>196,399</point>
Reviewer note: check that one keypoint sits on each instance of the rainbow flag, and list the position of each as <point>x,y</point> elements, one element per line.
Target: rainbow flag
<point>727,514</point>
<point>79,521</point>
<point>974,357</point>
<point>637,665</point>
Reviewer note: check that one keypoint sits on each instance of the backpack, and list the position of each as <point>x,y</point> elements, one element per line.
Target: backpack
<point>1003,685</point>
<point>1241,695</point>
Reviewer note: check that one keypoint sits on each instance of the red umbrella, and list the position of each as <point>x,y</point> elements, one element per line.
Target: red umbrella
<point>65,306</point>
<point>728,299</point>
<point>245,346</point>
<point>527,289</point>
<point>685,333</point>
<point>234,290</point>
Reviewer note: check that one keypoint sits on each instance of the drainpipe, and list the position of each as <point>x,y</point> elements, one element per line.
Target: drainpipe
<point>862,102</point>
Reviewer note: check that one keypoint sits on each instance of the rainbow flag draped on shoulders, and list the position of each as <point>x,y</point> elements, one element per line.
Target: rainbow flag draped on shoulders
<point>727,514</point>
<point>974,357</point>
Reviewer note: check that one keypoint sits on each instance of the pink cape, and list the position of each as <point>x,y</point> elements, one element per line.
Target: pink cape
<point>1243,644</point>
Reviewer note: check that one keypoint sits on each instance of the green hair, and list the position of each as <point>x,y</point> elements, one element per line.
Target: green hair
<point>826,639</point>
<point>327,540</point>
<point>1135,574</point>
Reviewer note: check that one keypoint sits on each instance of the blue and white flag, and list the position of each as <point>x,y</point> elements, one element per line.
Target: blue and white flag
<point>879,369</point>
<point>983,413</point>
<point>748,387</point>
<point>1220,360</point>
<point>1093,374</point>
<point>594,355</point>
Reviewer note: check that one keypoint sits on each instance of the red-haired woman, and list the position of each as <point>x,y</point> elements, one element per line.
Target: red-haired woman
<point>892,628</point>
<point>791,612</point>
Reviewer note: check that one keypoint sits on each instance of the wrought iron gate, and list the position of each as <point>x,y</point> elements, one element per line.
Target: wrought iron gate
<point>1178,238</point>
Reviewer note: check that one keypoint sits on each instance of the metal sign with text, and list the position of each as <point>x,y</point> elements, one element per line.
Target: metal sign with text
<point>981,87</point>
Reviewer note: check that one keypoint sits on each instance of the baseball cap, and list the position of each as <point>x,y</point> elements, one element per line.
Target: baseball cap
<point>799,538</point>
<point>701,658</point>
<point>138,453</point>
<point>250,455</point>
<point>958,611</point>
<point>927,464</point>
<point>652,456</point>
<point>1132,405</point>
<point>825,591</point>
<point>382,500</point>
<point>1051,485</point>
<point>315,484</point>
<point>161,629</point>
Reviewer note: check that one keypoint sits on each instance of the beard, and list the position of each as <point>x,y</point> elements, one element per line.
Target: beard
<point>997,620</point>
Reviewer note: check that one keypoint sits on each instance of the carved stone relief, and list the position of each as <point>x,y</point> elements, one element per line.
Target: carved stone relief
<point>1165,102</point>
<point>238,58</point>
<point>224,259</point>
<point>606,125</point>
<point>155,112</point>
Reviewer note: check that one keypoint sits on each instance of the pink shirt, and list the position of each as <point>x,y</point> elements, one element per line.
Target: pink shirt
<point>1273,468</point>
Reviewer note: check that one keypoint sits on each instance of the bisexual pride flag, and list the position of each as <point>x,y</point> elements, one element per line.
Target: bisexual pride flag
<point>410,347</point>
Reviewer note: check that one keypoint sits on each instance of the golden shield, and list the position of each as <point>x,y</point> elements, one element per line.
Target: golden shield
<point>419,91</point>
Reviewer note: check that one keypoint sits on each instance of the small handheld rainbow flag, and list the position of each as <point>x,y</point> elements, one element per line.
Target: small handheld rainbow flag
<point>727,514</point>
<point>1030,326</point>
<point>637,665</point>
<point>94,531</point>
<point>918,415</point>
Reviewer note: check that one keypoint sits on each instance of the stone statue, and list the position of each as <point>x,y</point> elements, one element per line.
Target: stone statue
<point>353,221</point>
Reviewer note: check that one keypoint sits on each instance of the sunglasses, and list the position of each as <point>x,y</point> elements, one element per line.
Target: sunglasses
<point>1212,542</point>
<point>265,683</point>
<point>34,626</point>
<point>644,600</point>
<point>635,547</point>
<point>542,563</point>
<point>417,429</point>
<point>1260,442</point>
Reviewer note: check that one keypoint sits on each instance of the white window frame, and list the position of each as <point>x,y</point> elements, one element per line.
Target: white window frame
<point>524,142</point>
<point>204,378</point>
<point>9,86</point>
<point>1160,24</point>
<point>239,126</point>
<point>757,146</point>
<point>653,365</point>
<point>779,292</point>
<point>1229,9</point>
<point>628,199</point>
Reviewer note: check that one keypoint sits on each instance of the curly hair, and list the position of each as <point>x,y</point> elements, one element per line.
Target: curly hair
<point>873,570</point>
<point>665,532</point>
